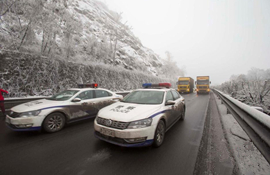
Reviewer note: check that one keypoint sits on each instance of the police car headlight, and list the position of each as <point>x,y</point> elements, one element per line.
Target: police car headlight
<point>140,123</point>
<point>30,113</point>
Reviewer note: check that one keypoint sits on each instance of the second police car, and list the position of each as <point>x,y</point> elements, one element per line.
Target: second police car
<point>142,117</point>
<point>68,106</point>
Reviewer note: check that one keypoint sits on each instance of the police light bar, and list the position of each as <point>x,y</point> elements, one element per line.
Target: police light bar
<point>150,85</point>
<point>94,85</point>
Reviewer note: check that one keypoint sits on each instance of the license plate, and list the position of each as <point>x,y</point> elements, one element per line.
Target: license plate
<point>107,132</point>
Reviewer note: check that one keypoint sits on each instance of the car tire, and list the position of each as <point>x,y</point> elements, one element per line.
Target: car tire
<point>54,122</point>
<point>159,134</point>
<point>183,114</point>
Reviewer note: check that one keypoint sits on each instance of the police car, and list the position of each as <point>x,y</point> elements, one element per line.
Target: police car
<point>142,117</point>
<point>65,107</point>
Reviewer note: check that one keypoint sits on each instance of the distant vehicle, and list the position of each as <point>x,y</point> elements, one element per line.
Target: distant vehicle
<point>203,84</point>
<point>65,107</point>
<point>185,85</point>
<point>142,117</point>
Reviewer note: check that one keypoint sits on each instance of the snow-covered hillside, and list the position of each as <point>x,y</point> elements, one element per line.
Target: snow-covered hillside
<point>24,74</point>
<point>98,19</point>
<point>85,31</point>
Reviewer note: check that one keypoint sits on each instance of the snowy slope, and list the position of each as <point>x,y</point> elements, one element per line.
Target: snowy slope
<point>100,20</point>
<point>82,31</point>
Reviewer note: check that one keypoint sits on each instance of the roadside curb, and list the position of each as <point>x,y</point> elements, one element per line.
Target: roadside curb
<point>248,158</point>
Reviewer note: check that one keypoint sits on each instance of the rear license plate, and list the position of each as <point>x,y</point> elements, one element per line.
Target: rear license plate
<point>107,132</point>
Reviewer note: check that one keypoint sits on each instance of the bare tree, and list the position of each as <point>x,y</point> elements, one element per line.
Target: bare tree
<point>170,68</point>
<point>71,26</point>
<point>254,87</point>
<point>114,34</point>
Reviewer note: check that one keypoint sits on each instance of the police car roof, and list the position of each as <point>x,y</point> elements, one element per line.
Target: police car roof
<point>83,89</point>
<point>154,89</point>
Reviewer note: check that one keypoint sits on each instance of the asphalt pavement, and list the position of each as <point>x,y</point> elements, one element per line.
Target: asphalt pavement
<point>76,151</point>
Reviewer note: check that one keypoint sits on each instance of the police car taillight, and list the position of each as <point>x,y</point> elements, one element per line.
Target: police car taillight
<point>94,85</point>
<point>150,85</point>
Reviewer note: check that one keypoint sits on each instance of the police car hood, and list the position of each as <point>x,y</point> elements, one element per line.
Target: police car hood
<point>36,105</point>
<point>127,112</point>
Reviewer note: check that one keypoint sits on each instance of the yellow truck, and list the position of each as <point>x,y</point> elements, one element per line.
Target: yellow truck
<point>185,85</point>
<point>203,84</point>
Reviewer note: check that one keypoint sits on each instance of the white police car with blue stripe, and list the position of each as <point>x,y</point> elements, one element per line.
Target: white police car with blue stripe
<point>65,107</point>
<point>142,117</point>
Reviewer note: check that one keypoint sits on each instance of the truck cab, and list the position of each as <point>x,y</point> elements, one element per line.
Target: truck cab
<point>203,84</point>
<point>185,85</point>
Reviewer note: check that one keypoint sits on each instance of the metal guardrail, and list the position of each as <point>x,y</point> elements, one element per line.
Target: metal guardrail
<point>9,103</point>
<point>255,123</point>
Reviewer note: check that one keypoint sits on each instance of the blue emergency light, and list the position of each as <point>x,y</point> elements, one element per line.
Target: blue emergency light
<point>150,85</point>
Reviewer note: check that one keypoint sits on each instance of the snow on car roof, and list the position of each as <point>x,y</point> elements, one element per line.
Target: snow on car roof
<point>83,89</point>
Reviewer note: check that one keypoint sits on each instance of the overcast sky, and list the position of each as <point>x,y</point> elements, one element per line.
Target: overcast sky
<point>218,38</point>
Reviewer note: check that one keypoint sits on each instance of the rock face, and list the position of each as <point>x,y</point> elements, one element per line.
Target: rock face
<point>76,30</point>
<point>130,52</point>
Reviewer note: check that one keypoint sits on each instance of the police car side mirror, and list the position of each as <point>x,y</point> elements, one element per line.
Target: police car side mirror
<point>116,99</point>
<point>76,100</point>
<point>169,102</point>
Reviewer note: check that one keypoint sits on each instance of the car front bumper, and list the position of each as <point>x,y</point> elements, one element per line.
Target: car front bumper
<point>24,124</point>
<point>121,136</point>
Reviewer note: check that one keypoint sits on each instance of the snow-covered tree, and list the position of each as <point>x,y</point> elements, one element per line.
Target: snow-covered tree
<point>253,88</point>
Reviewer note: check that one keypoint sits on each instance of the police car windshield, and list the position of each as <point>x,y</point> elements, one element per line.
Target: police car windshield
<point>144,97</point>
<point>63,96</point>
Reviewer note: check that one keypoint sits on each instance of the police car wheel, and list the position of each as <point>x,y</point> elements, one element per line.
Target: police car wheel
<point>54,122</point>
<point>183,114</point>
<point>159,134</point>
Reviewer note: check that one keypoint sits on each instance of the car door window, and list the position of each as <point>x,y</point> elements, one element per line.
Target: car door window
<point>175,95</point>
<point>86,95</point>
<point>169,96</point>
<point>102,93</point>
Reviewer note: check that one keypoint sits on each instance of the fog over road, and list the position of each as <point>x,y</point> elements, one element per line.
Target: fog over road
<point>75,150</point>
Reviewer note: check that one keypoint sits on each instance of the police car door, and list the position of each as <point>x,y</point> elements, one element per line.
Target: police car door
<point>178,104</point>
<point>170,109</point>
<point>103,98</point>
<point>85,107</point>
